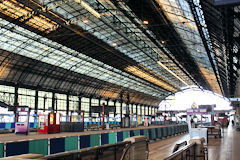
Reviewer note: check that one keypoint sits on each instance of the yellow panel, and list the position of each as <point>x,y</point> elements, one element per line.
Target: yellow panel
<point>211,78</point>
<point>138,72</point>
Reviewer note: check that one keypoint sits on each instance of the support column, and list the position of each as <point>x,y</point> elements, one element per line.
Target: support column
<point>53,101</point>
<point>148,110</point>
<point>67,110</point>
<point>16,96</point>
<point>144,111</point>
<point>36,106</point>
<point>132,108</point>
<point>90,104</point>
<point>79,104</point>
<point>100,105</point>
<point>136,110</point>
<point>114,104</point>
<point>121,111</point>
<point>15,101</point>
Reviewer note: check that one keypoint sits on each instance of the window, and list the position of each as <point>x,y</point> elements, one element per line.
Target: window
<point>26,97</point>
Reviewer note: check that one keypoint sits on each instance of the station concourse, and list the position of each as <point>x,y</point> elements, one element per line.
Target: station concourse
<point>87,79</point>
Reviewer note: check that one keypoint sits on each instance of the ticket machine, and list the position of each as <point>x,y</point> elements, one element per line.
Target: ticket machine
<point>49,123</point>
<point>22,120</point>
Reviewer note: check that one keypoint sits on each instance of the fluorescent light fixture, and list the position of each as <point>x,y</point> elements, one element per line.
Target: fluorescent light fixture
<point>85,21</point>
<point>114,44</point>
<point>163,66</point>
<point>145,22</point>
<point>88,8</point>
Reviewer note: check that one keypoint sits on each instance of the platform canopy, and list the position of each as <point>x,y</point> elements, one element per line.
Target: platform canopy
<point>138,51</point>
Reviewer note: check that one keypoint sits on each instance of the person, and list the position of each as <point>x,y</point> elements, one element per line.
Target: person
<point>192,123</point>
<point>233,122</point>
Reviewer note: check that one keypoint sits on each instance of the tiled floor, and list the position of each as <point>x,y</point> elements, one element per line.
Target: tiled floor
<point>226,148</point>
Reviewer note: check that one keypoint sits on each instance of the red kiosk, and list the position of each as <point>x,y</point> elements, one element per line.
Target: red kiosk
<point>49,123</point>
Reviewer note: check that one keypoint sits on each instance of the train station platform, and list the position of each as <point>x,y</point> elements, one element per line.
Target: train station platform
<point>46,144</point>
<point>225,148</point>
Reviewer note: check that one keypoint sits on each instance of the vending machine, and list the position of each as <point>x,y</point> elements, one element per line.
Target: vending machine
<point>49,123</point>
<point>22,120</point>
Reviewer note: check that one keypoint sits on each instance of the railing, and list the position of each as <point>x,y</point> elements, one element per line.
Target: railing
<point>189,152</point>
<point>105,152</point>
<point>138,150</point>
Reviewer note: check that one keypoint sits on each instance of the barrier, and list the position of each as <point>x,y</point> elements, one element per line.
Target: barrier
<point>84,141</point>
<point>1,150</point>
<point>63,144</point>
<point>71,143</point>
<point>112,137</point>
<point>38,147</point>
<point>95,140</point>
<point>119,136</point>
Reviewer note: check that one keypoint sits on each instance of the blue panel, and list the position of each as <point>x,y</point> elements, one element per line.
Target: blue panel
<point>57,145</point>
<point>12,125</point>
<point>84,141</point>
<point>156,131</point>
<point>150,133</point>
<point>131,133</point>
<point>141,132</point>
<point>31,125</point>
<point>104,138</point>
<point>16,148</point>
<point>2,125</point>
<point>119,136</point>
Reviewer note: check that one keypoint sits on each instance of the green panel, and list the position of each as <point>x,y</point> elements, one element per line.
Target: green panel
<point>165,131</point>
<point>112,138</point>
<point>146,133</point>
<point>94,140</point>
<point>169,131</point>
<point>8,125</point>
<point>153,133</point>
<point>159,133</point>
<point>137,132</point>
<point>38,147</point>
<point>1,150</point>
<point>173,130</point>
<point>125,134</point>
<point>71,143</point>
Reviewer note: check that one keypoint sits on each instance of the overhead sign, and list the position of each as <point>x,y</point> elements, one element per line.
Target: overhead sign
<point>98,109</point>
<point>235,99</point>
<point>197,111</point>
<point>226,2</point>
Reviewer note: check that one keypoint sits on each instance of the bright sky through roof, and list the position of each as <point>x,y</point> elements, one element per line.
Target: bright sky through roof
<point>184,99</point>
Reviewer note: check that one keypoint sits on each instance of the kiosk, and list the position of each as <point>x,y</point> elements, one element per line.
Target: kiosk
<point>49,123</point>
<point>22,120</point>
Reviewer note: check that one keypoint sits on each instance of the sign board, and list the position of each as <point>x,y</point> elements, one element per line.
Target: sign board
<point>235,99</point>
<point>98,109</point>
<point>226,2</point>
<point>196,111</point>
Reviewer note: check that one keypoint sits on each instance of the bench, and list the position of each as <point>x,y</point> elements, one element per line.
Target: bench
<point>93,126</point>
<point>113,125</point>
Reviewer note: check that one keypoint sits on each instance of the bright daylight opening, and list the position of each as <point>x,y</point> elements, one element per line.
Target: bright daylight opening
<point>183,100</point>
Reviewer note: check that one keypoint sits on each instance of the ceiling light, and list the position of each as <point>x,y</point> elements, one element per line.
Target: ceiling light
<point>85,21</point>
<point>163,42</point>
<point>88,8</point>
<point>162,65</point>
<point>145,22</point>
<point>114,44</point>
<point>198,50</point>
